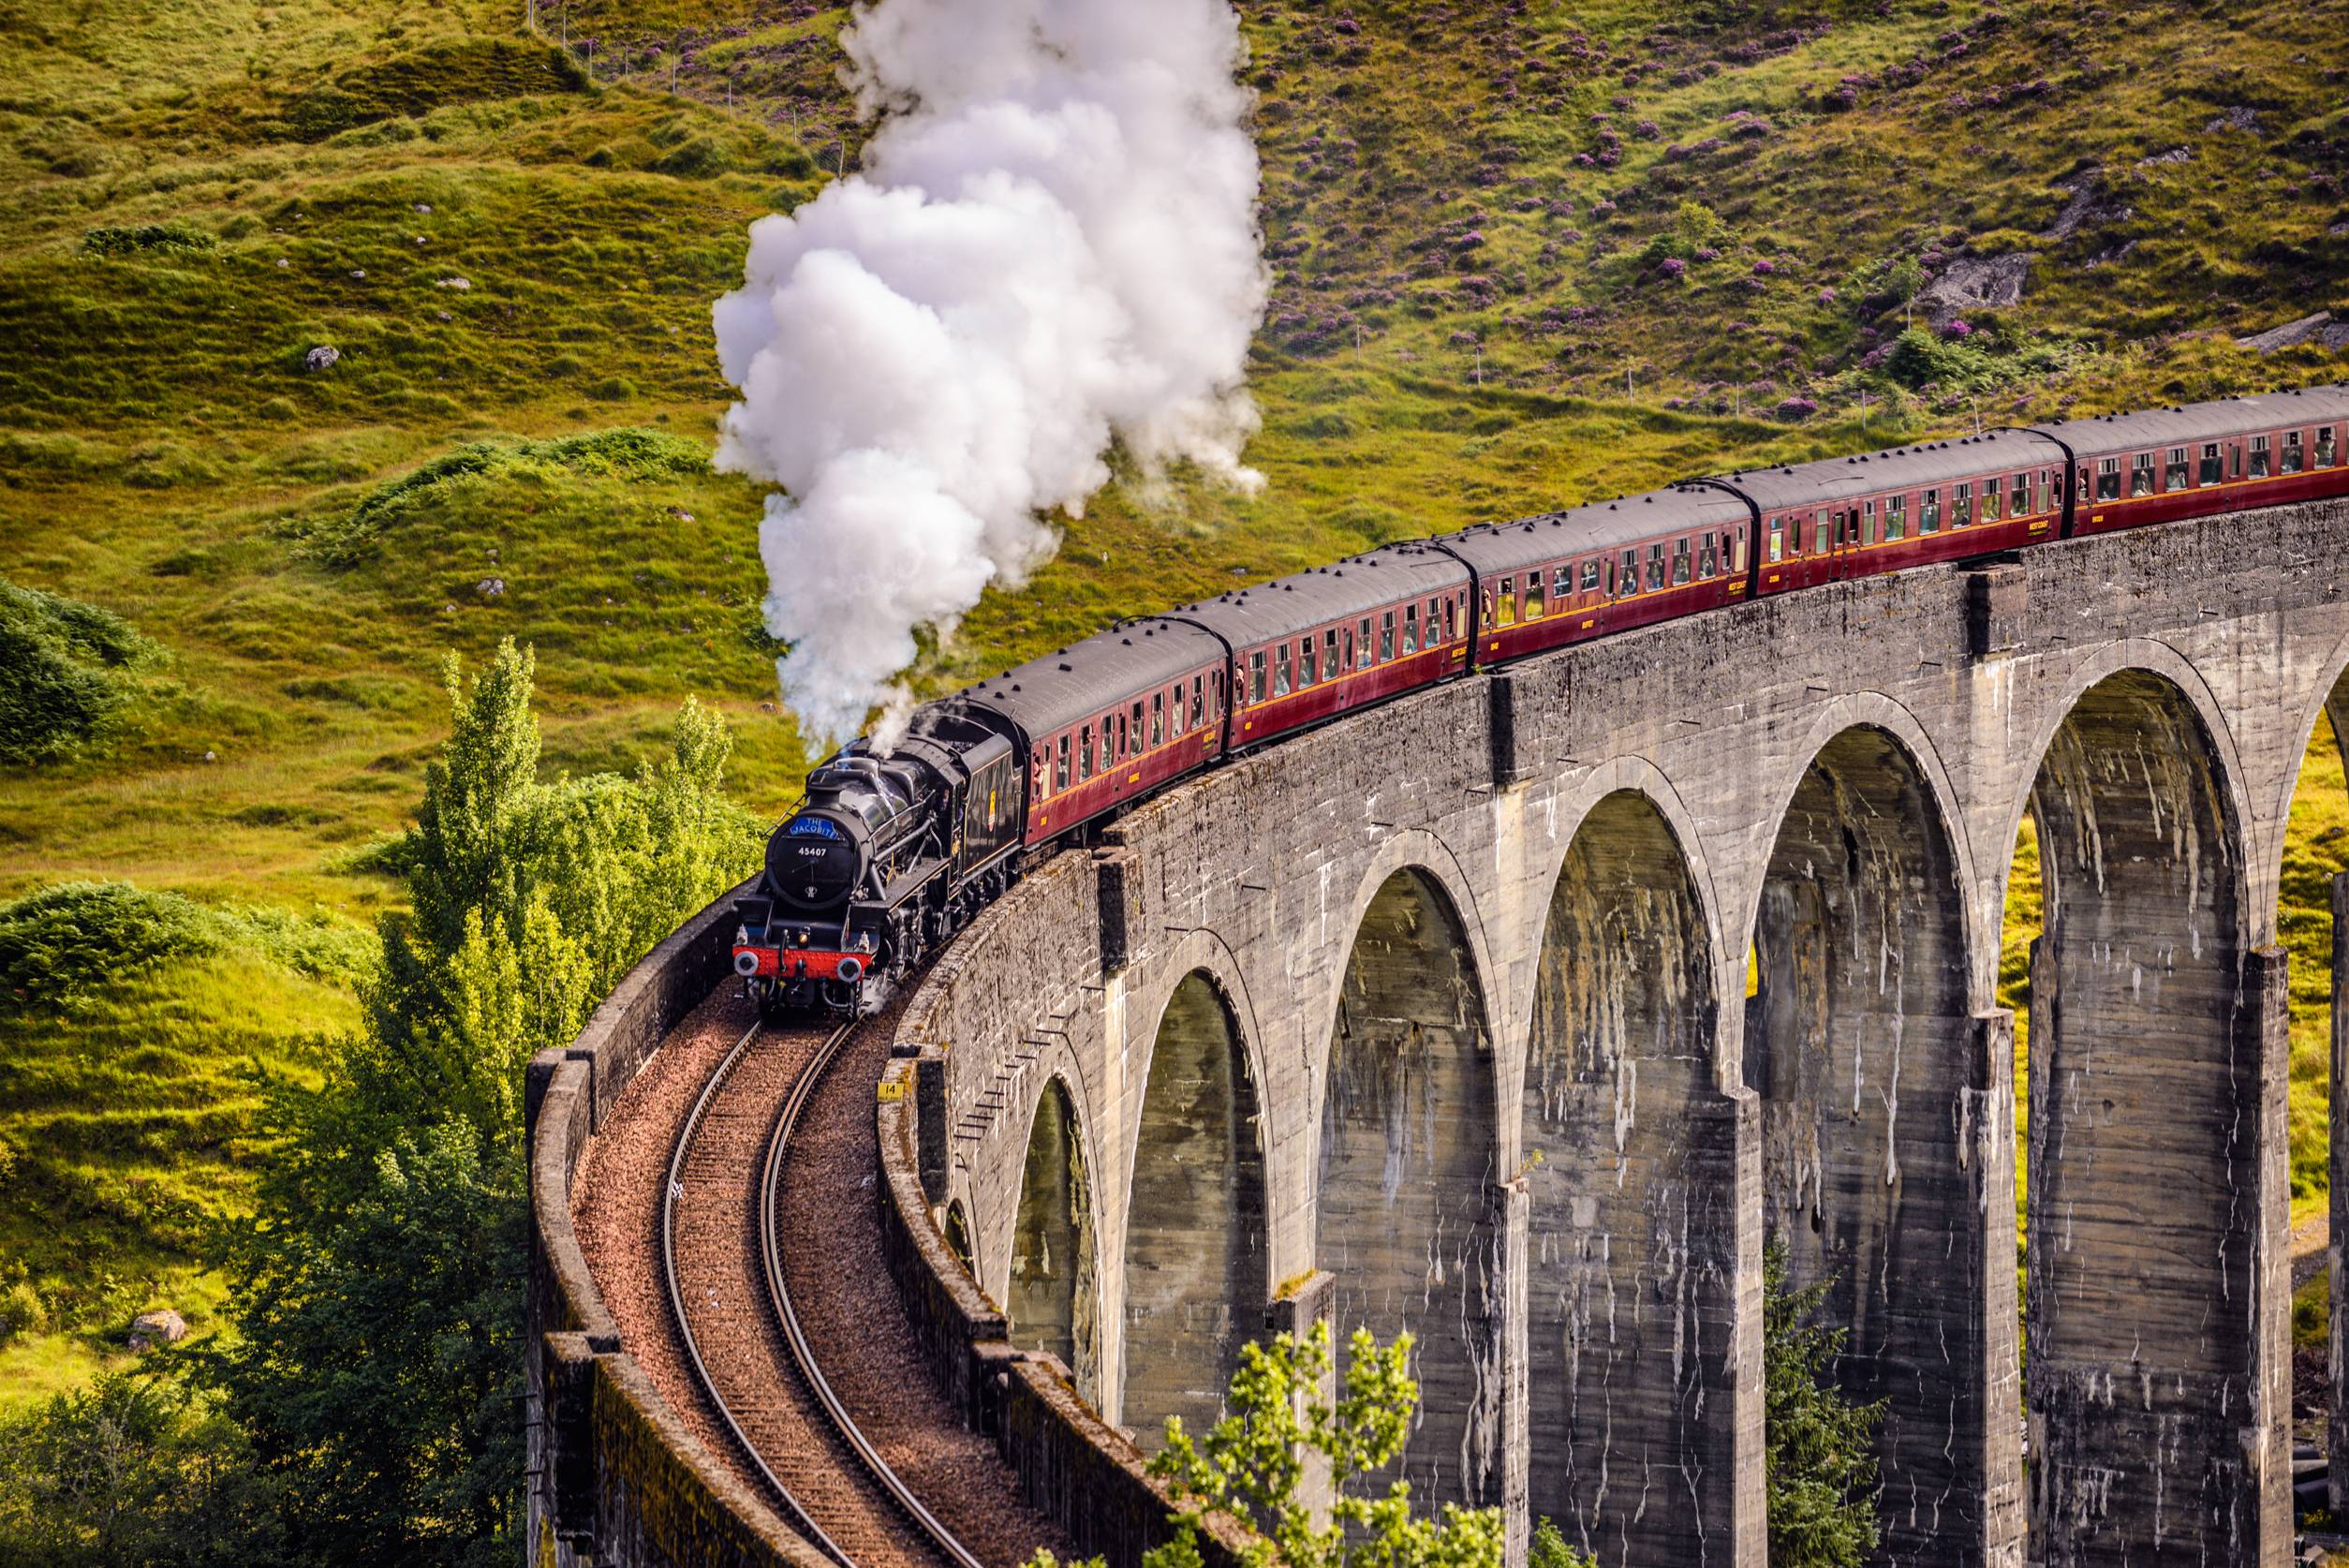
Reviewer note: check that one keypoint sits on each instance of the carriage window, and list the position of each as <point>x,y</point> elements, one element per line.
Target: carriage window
<point>1280,670</point>
<point>1432,617</point>
<point>1961,506</point>
<point>1655,566</point>
<point>1929,514</point>
<point>2174,474</point>
<point>1329,653</point>
<point>1085,757</point>
<point>1777,541</point>
<point>1990,501</point>
<point>2291,453</point>
<point>1308,660</point>
<point>1158,718</point>
<point>2141,474</point>
<point>1896,518</point>
<point>1627,580</point>
<point>1590,568</point>
<point>1178,726</point>
<point>1734,545</point>
<point>1060,765</point>
<point>2327,453</point>
<point>1679,561</point>
<point>2259,457</point>
<point>1386,638</point>
<point>1508,601</point>
<point>1561,585</point>
<point>2108,478</point>
<point>1450,619</point>
<point>1132,735</point>
<point>1534,605</point>
<point>1411,629</point>
<point>2019,501</point>
<point>2213,465</point>
<point>1362,650</point>
<point>1707,560</point>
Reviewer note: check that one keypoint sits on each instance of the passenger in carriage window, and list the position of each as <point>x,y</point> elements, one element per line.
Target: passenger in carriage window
<point>1179,726</point>
<point>1158,718</point>
<point>1362,649</point>
<point>1386,637</point>
<point>1508,602</point>
<point>1280,670</point>
<point>1627,579</point>
<point>1590,575</point>
<point>1256,675</point>
<point>1329,653</point>
<point>1309,660</point>
<point>2174,472</point>
<point>2213,465</point>
<point>1896,518</point>
<point>2259,457</point>
<point>2291,463</point>
<point>2327,447</point>
<point>1533,595</point>
<point>1655,567</point>
<point>1485,611</point>
<point>1562,585</point>
<point>1707,561</point>
<point>1086,755</point>
<point>1434,615</point>
<point>1929,514</point>
<point>1060,765</point>
<point>2020,502</point>
<point>2141,475</point>
<point>1679,562</point>
<point>1411,629</point>
<point>1990,501</point>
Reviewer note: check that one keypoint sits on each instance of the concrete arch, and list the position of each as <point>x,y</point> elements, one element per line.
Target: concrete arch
<point>1874,710</point>
<point>1565,813</point>
<point>2328,694</point>
<point>1053,1291</point>
<point>1195,1275</point>
<point>2156,1373</point>
<point>1406,1196</point>
<point>2054,707</point>
<point>1873,1073</point>
<point>1629,1157</point>
<point>1419,850</point>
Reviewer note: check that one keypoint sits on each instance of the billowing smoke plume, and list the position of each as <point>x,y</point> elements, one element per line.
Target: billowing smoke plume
<point>1052,242</point>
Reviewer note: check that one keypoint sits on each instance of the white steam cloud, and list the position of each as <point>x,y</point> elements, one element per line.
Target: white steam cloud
<point>1052,243</point>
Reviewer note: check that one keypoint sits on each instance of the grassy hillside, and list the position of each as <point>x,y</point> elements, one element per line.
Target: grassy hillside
<point>1487,222</point>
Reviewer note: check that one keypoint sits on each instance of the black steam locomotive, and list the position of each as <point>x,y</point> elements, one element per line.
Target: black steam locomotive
<point>886,858</point>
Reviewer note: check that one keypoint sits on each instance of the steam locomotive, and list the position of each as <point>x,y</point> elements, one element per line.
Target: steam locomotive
<point>890,854</point>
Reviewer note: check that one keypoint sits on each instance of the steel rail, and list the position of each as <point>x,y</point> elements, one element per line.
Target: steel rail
<point>780,1298</point>
<point>799,1518</point>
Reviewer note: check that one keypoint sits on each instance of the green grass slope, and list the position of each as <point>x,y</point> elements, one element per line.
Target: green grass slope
<point>1487,222</point>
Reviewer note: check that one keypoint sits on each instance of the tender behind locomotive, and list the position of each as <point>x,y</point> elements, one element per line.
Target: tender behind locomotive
<point>885,857</point>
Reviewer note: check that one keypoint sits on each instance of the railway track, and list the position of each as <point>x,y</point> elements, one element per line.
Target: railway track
<point>723,1254</point>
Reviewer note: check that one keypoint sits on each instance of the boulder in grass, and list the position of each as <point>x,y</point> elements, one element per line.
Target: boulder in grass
<point>321,357</point>
<point>162,1327</point>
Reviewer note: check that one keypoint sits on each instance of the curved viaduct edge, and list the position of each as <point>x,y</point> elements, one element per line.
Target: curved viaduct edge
<point>612,1473</point>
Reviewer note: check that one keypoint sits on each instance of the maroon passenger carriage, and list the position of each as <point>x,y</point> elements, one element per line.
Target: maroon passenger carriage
<point>889,856</point>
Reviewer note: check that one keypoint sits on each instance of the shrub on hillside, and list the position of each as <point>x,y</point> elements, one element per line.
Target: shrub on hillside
<point>133,239</point>
<point>74,938</point>
<point>68,673</point>
<point>632,454</point>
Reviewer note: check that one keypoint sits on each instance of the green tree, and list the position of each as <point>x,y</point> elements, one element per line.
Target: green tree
<point>129,1470</point>
<point>1697,228</point>
<point>1819,1447</point>
<point>376,1368</point>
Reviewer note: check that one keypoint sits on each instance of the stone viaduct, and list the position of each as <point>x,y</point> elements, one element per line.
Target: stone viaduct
<point>1522,1012</point>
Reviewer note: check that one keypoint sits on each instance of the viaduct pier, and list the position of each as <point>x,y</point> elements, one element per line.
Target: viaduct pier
<point>1522,1012</point>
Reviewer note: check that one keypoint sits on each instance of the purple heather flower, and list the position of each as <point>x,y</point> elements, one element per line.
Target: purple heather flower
<point>1763,267</point>
<point>1674,266</point>
<point>1957,329</point>
<point>1827,296</point>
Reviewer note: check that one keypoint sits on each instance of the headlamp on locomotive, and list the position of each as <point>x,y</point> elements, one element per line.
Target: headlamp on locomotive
<point>886,857</point>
